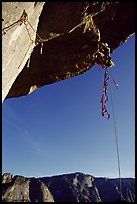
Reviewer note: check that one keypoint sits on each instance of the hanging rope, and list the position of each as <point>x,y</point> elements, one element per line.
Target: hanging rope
<point>103,59</point>
<point>117,148</point>
<point>104,98</point>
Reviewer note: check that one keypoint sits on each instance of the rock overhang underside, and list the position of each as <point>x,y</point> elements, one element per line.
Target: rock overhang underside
<point>67,33</point>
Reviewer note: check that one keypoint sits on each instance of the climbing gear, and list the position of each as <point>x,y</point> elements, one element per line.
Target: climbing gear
<point>23,19</point>
<point>112,64</point>
<point>104,100</point>
<point>104,60</point>
<point>104,97</point>
<point>41,40</point>
<point>27,29</point>
<point>41,48</point>
<point>28,62</point>
<point>99,59</point>
<point>18,22</point>
<point>115,83</point>
<point>103,57</point>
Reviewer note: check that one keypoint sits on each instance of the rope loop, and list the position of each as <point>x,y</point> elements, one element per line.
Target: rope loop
<point>104,97</point>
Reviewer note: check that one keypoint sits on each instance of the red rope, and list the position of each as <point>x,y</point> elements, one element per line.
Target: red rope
<point>104,98</point>
<point>20,22</point>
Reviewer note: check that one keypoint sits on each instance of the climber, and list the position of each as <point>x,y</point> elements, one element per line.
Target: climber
<point>103,56</point>
<point>100,59</point>
<point>105,49</point>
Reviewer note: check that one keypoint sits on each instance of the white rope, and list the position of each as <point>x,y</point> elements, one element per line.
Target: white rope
<point>117,149</point>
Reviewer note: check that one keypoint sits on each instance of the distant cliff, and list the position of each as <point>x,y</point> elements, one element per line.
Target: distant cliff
<point>70,33</point>
<point>74,187</point>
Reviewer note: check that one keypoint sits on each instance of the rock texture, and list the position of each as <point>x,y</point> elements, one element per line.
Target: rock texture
<point>6,178</point>
<point>109,189</point>
<point>16,43</point>
<point>21,189</point>
<point>74,187</point>
<point>70,32</point>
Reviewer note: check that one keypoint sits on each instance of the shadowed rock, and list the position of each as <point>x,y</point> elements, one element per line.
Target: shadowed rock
<point>71,32</point>
<point>74,187</point>
<point>21,189</point>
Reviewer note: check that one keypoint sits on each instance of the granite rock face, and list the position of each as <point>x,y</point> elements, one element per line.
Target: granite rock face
<point>7,177</point>
<point>16,43</point>
<point>70,33</point>
<point>109,189</point>
<point>21,189</point>
<point>74,187</point>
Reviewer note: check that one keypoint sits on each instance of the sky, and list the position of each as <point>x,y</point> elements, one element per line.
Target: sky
<point>59,129</point>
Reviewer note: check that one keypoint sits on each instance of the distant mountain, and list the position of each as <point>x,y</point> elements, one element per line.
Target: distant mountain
<point>74,187</point>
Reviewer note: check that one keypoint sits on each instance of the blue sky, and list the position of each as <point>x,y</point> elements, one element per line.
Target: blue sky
<point>59,128</point>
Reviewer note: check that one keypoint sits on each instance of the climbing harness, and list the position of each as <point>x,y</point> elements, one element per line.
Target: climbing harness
<point>102,57</point>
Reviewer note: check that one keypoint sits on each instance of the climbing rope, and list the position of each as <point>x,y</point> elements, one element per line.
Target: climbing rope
<point>104,100</point>
<point>26,26</point>
<point>104,97</point>
<point>24,19</point>
<point>117,147</point>
<point>18,22</point>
